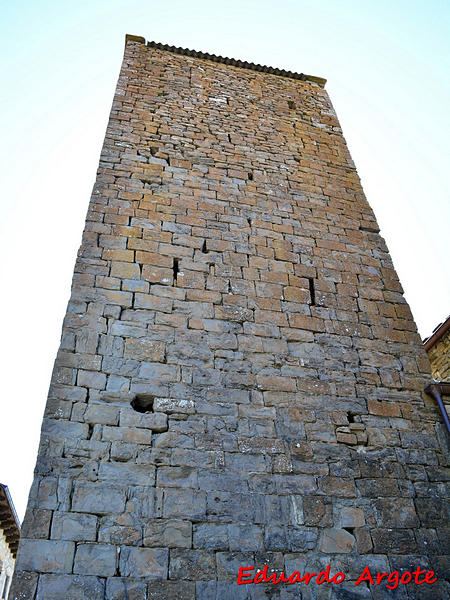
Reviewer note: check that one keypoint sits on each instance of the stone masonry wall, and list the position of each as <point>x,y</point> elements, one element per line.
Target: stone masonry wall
<point>439,356</point>
<point>232,283</point>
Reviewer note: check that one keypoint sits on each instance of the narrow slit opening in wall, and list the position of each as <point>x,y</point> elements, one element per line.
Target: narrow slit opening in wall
<point>204,249</point>
<point>250,176</point>
<point>143,403</point>
<point>249,221</point>
<point>312,292</point>
<point>229,137</point>
<point>176,269</point>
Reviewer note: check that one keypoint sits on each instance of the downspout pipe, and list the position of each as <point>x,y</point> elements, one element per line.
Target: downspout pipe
<point>437,389</point>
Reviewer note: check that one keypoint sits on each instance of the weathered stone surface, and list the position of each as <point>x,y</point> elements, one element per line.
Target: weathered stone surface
<point>97,498</point>
<point>169,533</point>
<point>144,349</point>
<point>396,512</point>
<point>23,585</point>
<point>171,590</point>
<point>192,564</point>
<point>240,379</point>
<point>156,421</point>
<point>186,503</point>
<point>396,541</point>
<point>151,563</point>
<point>351,517</point>
<point>127,473</point>
<point>37,524</point>
<point>77,527</point>
<point>95,559</point>
<point>337,540</point>
<point>45,556</point>
<point>173,405</point>
<point>56,587</point>
<point>118,588</point>
<point>210,536</point>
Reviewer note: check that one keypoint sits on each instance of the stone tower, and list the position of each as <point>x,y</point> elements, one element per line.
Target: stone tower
<point>240,380</point>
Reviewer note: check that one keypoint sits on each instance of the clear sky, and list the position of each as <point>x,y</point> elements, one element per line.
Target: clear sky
<point>387,65</point>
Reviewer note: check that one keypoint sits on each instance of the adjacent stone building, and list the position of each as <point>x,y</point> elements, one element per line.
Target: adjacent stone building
<point>240,379</point>
<point>9,540</point>
<point>437,346</point>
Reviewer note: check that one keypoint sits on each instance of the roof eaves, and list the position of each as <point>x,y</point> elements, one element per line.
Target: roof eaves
<point>320,81</point>
<point>9,521</point>
<point>437,334</point>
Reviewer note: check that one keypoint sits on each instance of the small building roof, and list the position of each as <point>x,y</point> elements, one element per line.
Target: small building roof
<point>9,521</point>
<point>438,333</point>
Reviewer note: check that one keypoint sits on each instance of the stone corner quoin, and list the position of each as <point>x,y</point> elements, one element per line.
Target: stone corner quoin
<point>240,379</point>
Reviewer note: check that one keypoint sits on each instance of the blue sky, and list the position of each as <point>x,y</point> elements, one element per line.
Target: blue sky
<point>387,66</point>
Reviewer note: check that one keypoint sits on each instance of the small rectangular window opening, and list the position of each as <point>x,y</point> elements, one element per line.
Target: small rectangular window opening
<point>175,269</point>
<point>312,292</point>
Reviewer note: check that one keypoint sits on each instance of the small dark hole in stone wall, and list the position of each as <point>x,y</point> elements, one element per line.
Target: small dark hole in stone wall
<point>176,269</point>
<point>143,403</point>
<point>351,417</point>
<point>312,292</point>
<point>291,104</point>
<point>349,529</point>
<point>249,221</point>
<point>204,249</point>
<point>153,150</point>
<point>250,176</point>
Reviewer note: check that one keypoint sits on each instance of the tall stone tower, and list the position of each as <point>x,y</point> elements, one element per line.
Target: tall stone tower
<point>240,380</point>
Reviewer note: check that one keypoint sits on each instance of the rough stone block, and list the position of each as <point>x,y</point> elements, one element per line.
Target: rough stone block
<point>174,405</point>
<point>351,517</point>
<point>192,564</point>
<point>396,512</point>
<point>70,587</point>
<point>144,349</point>
<point>91,379</point>
<point>210,536</point>
<point>127,473</point>
<point>76,527</point>
<point>95,559</point>
<point>45,556</point>
<point>184,503</point>
<point>171,590</point>
<point>36,523</point>
<point>169,533</point>
<point>98,498</point>
<point>23,586</point>
<point>151,563</point>
<point>128,435</point>
<point>337,541</point>
<point>120,588</point>
<point>156,421</point>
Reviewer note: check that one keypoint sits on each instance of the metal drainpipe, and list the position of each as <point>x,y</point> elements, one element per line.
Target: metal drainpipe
<point>435,389</point>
